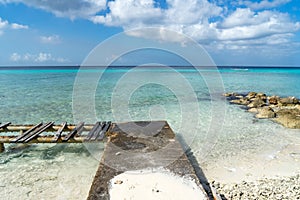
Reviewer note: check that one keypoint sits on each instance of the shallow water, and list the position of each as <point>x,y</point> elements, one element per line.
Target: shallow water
<point>242,149</point>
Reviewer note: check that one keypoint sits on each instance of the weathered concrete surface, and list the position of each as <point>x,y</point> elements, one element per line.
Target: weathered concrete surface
<point>137,146</point>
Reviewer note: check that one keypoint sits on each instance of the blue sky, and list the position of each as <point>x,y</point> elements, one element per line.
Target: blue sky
<point>234,32</point>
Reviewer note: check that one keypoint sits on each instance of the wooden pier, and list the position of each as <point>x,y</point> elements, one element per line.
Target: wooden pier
<point>52,133</point>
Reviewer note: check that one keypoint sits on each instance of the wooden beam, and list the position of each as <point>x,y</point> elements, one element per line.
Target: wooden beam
<point>96,133</point>
<point>103,131</point>
<point>3,126</point>
<point>2,148</point>
<point>59,132</point>
<point>54,128</point>
<point>92,132</point>
<point>73,132</point>
<point>45,139</point>
<point>37,132</point>
<point>27,132</point>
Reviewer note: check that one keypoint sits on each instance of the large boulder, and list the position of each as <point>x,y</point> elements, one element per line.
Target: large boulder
<point>265,112</point>
<point>288,117</point>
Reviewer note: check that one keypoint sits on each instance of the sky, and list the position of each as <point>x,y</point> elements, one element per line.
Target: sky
<point>233,32</point>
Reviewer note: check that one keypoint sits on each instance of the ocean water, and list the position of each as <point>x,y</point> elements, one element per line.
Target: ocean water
<point>226,140</point>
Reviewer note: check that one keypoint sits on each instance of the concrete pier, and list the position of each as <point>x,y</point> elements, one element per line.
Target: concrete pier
<point>138,146</point>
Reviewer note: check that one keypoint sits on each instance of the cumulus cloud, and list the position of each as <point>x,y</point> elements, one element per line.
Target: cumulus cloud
<point>71,9</point>
<point>52,39</point>
<point>246,24</point>
<point>202,20</point>
<point>264,4</point>
<point>207,21</point>
<point>18,26</point>
<point>37,58</point>
<point>4,24</point>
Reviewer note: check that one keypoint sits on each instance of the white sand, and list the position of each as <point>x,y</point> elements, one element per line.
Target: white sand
<point>153,185</point>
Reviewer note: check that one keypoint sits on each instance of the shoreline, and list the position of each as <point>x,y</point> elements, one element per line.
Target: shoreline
<point>265,188</point>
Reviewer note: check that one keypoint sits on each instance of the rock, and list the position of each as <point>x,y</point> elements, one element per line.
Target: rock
<point>256,103</point>
<point>251,95</point>
<point>273,100</point>
<point>239,96</point>
<point>289,118</point>
<point>262,96</point>
<point>253,110</point>
<point>242,101</point>
<point>265,112</point>
<point>230,94</point>
<point>288,101</point>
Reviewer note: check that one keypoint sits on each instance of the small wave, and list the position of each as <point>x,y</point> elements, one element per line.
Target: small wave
<point>240,69</point>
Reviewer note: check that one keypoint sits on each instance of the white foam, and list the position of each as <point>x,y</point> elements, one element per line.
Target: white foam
<point>149,185</point>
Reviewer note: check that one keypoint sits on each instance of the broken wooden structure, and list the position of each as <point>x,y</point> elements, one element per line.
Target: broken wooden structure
<point>52,133</point>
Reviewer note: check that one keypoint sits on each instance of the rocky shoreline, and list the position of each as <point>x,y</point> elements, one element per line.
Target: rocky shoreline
<point>283,110</point>
<point>281,188</point>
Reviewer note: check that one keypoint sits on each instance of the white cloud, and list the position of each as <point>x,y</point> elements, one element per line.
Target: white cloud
<point>15,57</point>
<point>4,24</point>
<point>67,8</point>
<point>246,24</point>
<point>37,58</point>
<point>130,13</point>
<point>264,4</point>
<point>202,20</point>
<point>210,22</point>
<point>18,26</point>
<point>53,39</point>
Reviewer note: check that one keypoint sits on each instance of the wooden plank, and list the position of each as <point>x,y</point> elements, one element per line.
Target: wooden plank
<point>59,132</point>
<point>96,133</point>
<point>27,132</point>
<point>73,132</point>
<point>4,125</point>
<point>92,132</point>
<point>103,131</point>
<point>37,132</point>
<point>31,133</point>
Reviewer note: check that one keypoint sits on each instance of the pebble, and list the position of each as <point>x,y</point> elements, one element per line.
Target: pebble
<point>279,188</point>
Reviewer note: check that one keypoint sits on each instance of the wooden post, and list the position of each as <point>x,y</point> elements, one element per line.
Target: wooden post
<point>2,148</point>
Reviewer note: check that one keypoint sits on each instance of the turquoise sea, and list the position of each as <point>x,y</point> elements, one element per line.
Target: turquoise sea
<point>34,94</point>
